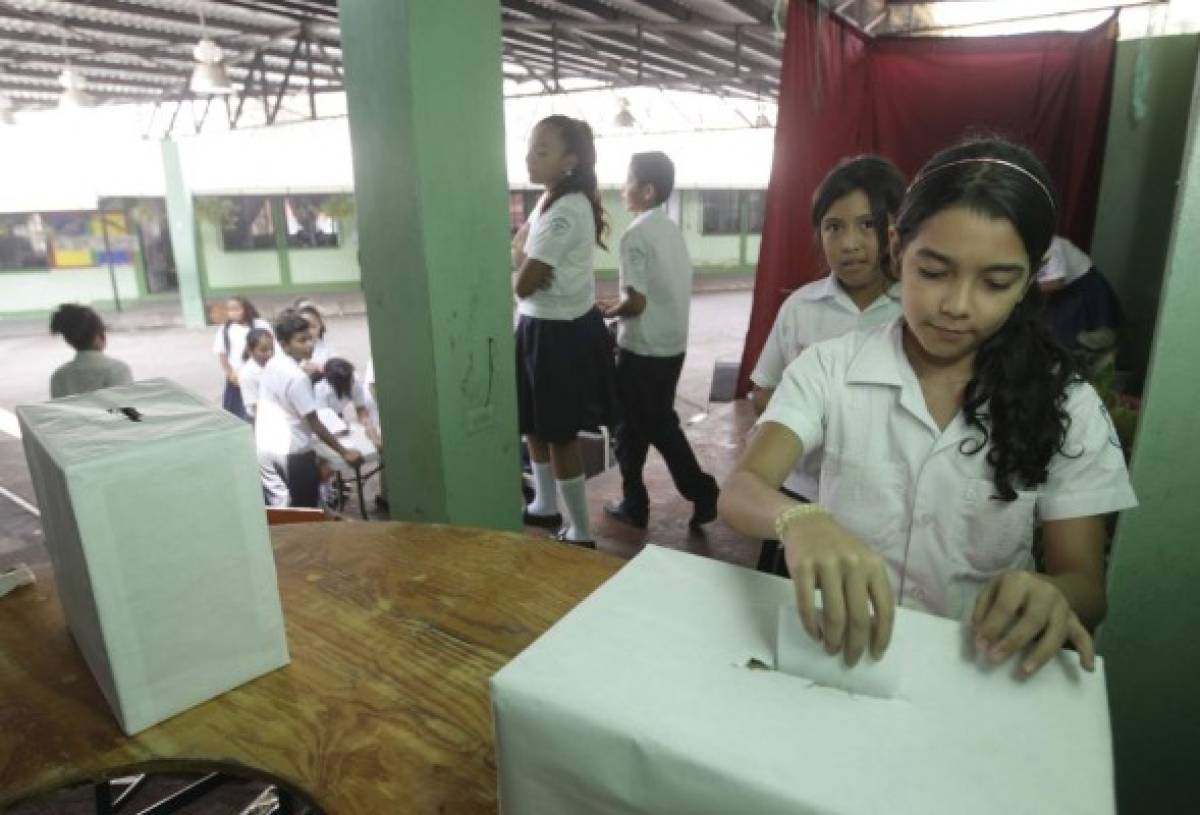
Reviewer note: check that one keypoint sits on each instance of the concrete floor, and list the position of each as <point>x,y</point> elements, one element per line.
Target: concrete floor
<point>720,313</point>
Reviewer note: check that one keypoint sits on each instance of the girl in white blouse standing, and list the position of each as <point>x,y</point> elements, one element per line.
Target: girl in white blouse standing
<point>565,375</point>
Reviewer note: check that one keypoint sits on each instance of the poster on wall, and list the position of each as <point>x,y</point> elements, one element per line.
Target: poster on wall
<point>78,240</point>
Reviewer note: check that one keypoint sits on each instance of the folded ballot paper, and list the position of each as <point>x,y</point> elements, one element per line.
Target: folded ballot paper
<point>154,521</point>
<point>651,697</point>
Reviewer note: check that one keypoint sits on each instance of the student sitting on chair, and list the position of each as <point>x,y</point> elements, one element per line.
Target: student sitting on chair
<point>91,369</point>
<point>337,391</point>
<point>286,423</point>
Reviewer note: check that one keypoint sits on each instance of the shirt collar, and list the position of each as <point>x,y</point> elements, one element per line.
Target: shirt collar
<point>646,215</point>
<point>879,360</point>
<point>827,288</point>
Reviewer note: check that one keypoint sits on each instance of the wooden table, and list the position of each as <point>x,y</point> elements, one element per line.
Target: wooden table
<point>394,630</point>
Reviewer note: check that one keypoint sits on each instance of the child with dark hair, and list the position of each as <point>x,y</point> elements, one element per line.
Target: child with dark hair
<point>342,388</point>
<point>564,353</point>
<point>229,343</point>
<point>260,347</point>
<point>322,350</point>
<point>286,422</point>
<point>946,436</point>
<point>91,369</point>
<point>851,212</point>
<point>656,293</point>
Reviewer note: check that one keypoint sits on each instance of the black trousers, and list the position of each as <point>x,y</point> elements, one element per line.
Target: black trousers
<point>646,386</point>
<point>303,479</point>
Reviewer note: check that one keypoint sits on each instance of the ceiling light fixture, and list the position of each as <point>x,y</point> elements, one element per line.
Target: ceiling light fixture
<point>209,78</point>
<point>624,117</point>
<point>74,93</point>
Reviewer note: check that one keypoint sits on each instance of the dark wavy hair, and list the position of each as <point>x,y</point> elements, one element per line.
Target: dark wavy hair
<point>879,179</point>
<point>1017,395</point>
<point>249,312</point>
<point>79,325</point>
<point>339,373</point>
<point>577,140</point>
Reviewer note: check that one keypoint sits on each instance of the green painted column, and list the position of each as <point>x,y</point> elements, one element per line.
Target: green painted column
<point>182,219</point>
<point>1153,624</point>
<point>423,83</point>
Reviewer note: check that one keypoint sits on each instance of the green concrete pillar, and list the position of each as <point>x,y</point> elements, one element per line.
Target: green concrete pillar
<point>423,83</point>
<point>182,219</point>
<point>1153,624</point>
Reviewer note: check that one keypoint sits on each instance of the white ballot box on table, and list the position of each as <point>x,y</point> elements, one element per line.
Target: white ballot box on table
<point>154,521</point>
<point>641,700</point>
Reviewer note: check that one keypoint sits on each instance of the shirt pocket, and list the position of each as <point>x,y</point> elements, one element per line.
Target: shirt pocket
<point>869,499</point>
<point>997,534</point>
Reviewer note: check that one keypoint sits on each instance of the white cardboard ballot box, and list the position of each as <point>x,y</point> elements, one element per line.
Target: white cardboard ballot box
<point>154,520</point>
<point>640,701</point>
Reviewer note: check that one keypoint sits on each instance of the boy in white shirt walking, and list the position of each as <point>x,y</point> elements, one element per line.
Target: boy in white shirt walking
<point>656,291</point>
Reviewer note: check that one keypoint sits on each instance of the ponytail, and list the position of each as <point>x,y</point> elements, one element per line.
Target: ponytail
<point>577,136</point>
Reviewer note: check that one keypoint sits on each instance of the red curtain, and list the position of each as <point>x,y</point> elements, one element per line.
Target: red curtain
<point>906,98</point>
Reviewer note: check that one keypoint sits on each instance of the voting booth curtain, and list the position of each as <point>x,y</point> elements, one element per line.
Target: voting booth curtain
<point>843,93</point>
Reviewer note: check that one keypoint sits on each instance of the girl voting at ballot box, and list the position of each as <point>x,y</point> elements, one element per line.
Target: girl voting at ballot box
<point>945,436</point>
<point>286,424</point>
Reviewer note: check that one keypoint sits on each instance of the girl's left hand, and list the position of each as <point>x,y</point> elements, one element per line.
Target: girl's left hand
<point>1019,607</point>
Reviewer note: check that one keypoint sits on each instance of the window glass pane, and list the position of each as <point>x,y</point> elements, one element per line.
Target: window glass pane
<point>245,220</point>
<point>756,210</point>
<point>720,212</point>
<point>24,242</point>
<point>309,222</point>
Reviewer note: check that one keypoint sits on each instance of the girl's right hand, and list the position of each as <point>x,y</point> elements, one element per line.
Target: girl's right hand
<point>231,377</point>
<point>822,554</point>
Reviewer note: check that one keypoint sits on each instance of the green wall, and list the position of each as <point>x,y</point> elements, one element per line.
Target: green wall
<point>236,270</point>
<point>328,265</point>
<point>1153,625</point>
<point>1137,191</point>
<point>40,291</point>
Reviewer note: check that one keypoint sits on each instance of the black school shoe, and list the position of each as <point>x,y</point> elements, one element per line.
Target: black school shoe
<point>705,511</point>
<point>618,511</point>
<point>562,536</point>
<point>544,521</point>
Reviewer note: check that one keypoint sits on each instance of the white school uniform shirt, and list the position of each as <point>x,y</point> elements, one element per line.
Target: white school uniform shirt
<point>1064,261</point>
<point>562,237</point>
<point>285,397</point>
<point>237,339</point>
<point>249,380</point>
<point>654,262</point>
<point>905,488</point>
<point>815,312</point>
<point>327,398</point>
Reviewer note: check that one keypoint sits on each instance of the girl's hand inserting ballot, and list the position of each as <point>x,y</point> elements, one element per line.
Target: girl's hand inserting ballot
<point>857,605</point>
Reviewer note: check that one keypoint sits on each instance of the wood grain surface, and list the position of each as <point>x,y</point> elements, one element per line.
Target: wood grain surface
<point>394,630</point>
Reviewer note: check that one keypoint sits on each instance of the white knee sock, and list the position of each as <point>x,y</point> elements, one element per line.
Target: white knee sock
<point>545,502</point>
<point>574,497</point>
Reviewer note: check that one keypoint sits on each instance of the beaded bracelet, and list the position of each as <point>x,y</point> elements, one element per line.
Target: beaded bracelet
<point>783,519</point>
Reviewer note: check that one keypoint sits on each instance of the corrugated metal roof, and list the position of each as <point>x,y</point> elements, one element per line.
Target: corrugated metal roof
<point>141,50</point>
